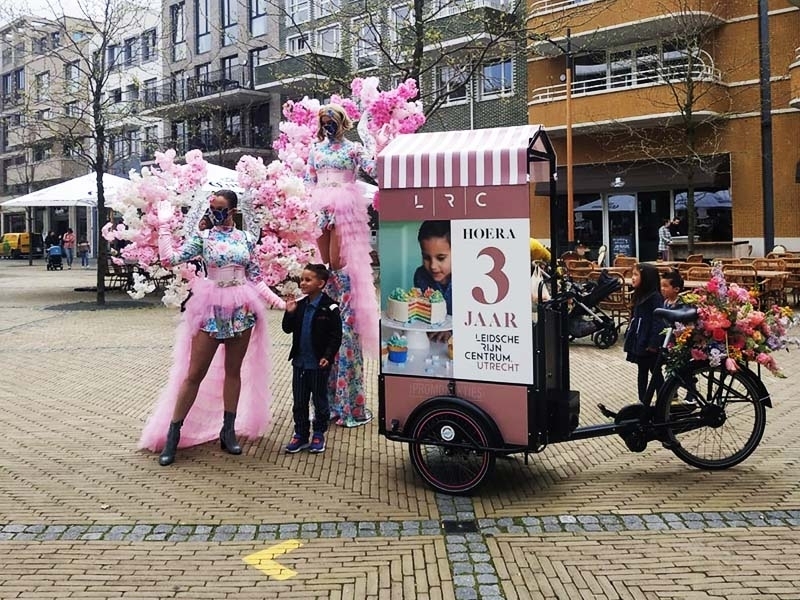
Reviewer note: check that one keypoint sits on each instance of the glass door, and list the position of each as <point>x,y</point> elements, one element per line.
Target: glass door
<point>623,239</point>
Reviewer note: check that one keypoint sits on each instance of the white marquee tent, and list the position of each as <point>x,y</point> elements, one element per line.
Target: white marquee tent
<point>81,191</point>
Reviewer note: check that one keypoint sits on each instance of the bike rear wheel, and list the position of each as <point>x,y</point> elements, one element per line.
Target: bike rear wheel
<point>719,417</point>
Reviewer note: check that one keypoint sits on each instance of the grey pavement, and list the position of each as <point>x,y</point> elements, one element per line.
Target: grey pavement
<point>84,514</point>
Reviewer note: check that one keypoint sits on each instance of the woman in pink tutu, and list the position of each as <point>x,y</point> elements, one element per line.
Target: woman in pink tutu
<point>209,385</point>
<point>333,165</point>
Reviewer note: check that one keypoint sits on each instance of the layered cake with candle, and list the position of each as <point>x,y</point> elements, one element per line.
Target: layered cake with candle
<point>414,305</point>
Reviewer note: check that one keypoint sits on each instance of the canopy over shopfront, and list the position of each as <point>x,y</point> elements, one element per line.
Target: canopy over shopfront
<point>81,191</point>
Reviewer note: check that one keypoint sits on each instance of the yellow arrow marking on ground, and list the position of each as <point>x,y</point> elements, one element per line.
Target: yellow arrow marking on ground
<point>263,560</point>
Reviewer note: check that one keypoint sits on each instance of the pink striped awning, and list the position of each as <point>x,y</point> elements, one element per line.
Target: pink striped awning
<point>479,157</point>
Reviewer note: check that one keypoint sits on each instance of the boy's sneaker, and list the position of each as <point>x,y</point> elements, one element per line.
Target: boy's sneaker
<point>317,443</point>
<point>296,444</point>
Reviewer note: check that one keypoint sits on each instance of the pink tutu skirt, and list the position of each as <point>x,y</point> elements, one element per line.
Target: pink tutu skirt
<point>204,420</point>
<point>347,210</point>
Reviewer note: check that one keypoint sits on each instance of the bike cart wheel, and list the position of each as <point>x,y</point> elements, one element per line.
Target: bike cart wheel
<point>730,417</point>
<point>446,453</point>
<point>605,338</point>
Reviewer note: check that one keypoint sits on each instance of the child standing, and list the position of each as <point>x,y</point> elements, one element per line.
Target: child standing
<point>316,327</point>
<point>643,338</point>
<point>434,273</point>
<point>83,253</point>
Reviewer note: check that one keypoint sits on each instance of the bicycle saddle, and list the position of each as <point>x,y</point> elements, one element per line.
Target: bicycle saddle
<point>683,314</point>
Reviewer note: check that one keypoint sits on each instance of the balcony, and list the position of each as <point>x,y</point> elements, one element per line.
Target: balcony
<point>52,169</point>
<point>11,101</point>
<point>599,24</point>
<point>794,72</point>
<point>301,74</point>
<point>221,89</point>
<point>251,142</point>
<point>57,127</point>
<point>643,97</point>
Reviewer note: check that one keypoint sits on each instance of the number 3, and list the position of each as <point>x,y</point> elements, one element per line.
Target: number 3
<point>495,274</point>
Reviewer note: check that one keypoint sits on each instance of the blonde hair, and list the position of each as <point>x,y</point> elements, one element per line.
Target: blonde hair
<point>337,114</point>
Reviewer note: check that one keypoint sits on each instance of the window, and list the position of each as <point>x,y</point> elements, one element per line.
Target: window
<point>400,21</point>
<point>55,39</point>
<point>327,40</point>
<point>227,12</point>
<point>148,45</point>
<point>129,51</point>
<point>150,92</point>
<point>41,153</point>
<point>365,48</point>
<point>178,25</point>
<point>71,109</point>
<point>257,58</point>
<point>18,78</point>
<point>6,86</point>
<point>228,67</point>
<point>115,95</point>
<point>232,123</point>
<point>42,89</point>
<point>14,120</point>
<point>72,75</point>
<point>497,79</point>
<point>151,142</point>
<point>202,26</point>
<point>323,8</point>
<point>178,86</point>
<point>134,142</point>
<point>298,11</point>
<point>114,57</point>
<point>8,56</point>
<point>297,44</point>
<point>132,92</point>
<point>452,82</point>
<point>44,114</point>
<point>258,17</point>
<point>40,45</point>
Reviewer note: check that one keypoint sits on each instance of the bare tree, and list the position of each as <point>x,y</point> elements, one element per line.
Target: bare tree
<point>83,63</point>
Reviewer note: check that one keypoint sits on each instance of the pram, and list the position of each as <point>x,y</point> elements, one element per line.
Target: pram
<point>54,258</point>
<point>585,315</point>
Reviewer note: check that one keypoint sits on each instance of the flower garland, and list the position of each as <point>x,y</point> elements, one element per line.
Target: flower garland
<point>730,329</point>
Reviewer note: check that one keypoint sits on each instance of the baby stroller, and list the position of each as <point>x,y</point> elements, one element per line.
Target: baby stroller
<point>586,317</point>
<point>54,258</point>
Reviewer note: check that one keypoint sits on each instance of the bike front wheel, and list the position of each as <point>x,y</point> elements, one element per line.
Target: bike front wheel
<point>717,417</point>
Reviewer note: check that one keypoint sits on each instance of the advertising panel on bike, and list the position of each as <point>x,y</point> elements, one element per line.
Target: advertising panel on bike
<point>454,255</point>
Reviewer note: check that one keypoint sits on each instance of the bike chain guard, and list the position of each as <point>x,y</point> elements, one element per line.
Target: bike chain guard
<point>636,437</point>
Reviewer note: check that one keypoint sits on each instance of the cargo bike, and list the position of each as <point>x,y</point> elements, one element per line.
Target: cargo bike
<point>491,377</point>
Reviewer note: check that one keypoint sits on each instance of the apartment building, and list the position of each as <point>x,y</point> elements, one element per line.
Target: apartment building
<point>33,121</point>
<point>135,63</point>
<point>472,68</point>
<point>664,98</point>
<point>206,93</point>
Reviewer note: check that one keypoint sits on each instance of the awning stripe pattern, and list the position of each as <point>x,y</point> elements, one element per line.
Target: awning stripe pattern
<point>481,157</point>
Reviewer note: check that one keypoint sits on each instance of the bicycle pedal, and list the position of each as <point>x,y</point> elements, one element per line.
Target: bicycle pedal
<point>606,412</point>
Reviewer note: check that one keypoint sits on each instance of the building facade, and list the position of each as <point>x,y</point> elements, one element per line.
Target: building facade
<point>664,102</point>
<point>33,120</point>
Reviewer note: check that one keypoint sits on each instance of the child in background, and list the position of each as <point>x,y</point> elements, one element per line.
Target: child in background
<point>83,253</point>
<point>316,328</point>
<point>671,287</point>
<point>434,244</point>
<point>643,338</point>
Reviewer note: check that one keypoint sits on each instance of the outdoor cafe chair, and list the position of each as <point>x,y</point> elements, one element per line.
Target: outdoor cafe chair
<point>773,290</point>
<point>701,273</point>
<point>694,258</point>
<point>769,264</point>
<point>743,275</point>
<point>625,261</point>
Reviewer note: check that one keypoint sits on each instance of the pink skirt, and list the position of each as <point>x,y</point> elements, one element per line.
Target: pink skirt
<point>351,219</point>
<point>204,420</point>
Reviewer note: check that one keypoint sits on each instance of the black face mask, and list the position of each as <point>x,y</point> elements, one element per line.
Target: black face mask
<point>330,128</point>
<point>217,217</point>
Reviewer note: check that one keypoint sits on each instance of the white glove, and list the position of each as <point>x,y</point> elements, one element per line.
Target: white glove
<point>271,298</point>
<point>165,212</point>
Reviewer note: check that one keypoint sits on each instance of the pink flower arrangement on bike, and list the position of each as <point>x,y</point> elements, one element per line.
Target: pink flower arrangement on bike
<point>730,328</point>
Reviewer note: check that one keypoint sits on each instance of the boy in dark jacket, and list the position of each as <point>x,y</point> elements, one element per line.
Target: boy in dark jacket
<point>316,327</point>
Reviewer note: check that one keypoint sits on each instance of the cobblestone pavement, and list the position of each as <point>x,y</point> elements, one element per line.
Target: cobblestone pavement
<point>84,514</point>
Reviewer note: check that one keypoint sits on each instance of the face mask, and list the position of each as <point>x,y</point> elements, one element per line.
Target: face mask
<point>217,217</point>
<point>330,128</point>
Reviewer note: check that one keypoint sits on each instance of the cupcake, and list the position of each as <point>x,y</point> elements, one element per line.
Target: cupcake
<point>398,349</point>
<point>450,347</point>
<point>384,352</point>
